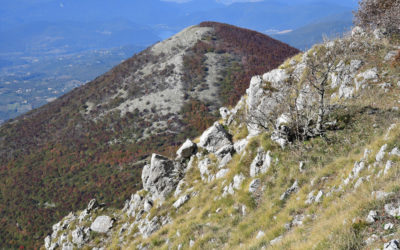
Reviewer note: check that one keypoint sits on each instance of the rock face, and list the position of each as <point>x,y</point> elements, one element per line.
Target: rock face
<point>188,149</point>
<point>102,224</point>
<point>161,176</point>
<point>214,138</point>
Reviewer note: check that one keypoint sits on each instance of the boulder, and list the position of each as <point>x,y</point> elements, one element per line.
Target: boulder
<point>238,180</point>
<point>80,235</point>
<point>225,150</point>
<point>188,149</point>
<point>215,138</point>
<point>147,227</point>
<point>227,158</point>
<point>395,151</point>
<point>102,224</point>
<point>182,200</point>
<point>222,173</point>
<point>161,176</point>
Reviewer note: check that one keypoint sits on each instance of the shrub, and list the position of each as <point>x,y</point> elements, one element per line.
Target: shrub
<point>382,14</point>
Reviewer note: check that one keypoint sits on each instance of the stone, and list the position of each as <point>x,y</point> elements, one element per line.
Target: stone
<point>238,180</point>
<point>301,167</point>
<point>380,195</point>
<point>147,228</point>
<point>388,226</point>
<point>390,55</point>
<point>388,166</point>
<point>203,167</point>
<point>254,185</point>
<point>187,149</point>
<point>227,158</point>
<point>102,224</point>
<point>381,154</point>
<point>260,234</point>
<point>224,112</point>
<point>392,245</point>
<point>161,177</point>
<point>93,204</point>
<point>298,220</point>
<point>182,200</point>
<point>310,198</point>
<point>47,242</point>
<point>148,204</point>
<point>79,236</point>
<point>395,151</point>
<point>276,240</point>
<point>240,145</point>
<point>290,190</point>
<point>371,239</point>
<point>355,65</point>
<point>191,243</point>
<point>179,188</point>
<point>372,217</point>
<point>319,196</point>
<point>222,173</point>
<point>225,150</point>
<point>133,204</point>
<point>378,34</point>
<point>392,209</point>
<point>276,77</point>
<point>214,138</point>
<point>67,246</point>
<point>261,163</point>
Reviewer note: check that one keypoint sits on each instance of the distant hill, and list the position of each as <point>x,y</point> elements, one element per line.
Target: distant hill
<point>305,37</point>
<point>93,141</point>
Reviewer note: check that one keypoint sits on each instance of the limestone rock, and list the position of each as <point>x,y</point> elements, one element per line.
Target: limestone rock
<point>276,240</point>
<point>182,200</point>
<point>392,209</point>
<point>290,190</point>
<point>227,158</point>
<point>261,163</point>
<point>188,149</point>
<point>372,217</point>
<point>392,245</point>
<point>357,32</point>
<point>254,185</point>
<point>395,151</point>
<point>214,138</point>
<point>388,226</point>
<point>161,177</point>
<point>147,227</point>
<point>240,145</point>
<point>260,234</point>
<point>224,112</point>
<point>222,173</point>
<point>80,235</point>
<point>102,224</point>
<point>225,150</point>
<point>67,246</point>
<point>381,154</point>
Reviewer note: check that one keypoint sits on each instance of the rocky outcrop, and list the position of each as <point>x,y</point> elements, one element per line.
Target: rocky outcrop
<point>102,224</point>
<point>161,176</point>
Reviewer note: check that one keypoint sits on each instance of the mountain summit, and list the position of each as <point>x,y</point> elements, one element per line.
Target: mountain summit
<point>93,141</point>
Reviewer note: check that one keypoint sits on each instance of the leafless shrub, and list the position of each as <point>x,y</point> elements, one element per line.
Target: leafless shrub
<point>383,14</point>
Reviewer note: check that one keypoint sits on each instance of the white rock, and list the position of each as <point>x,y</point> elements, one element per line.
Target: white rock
<point>254,185</point>
<point>381,154</point>
<point>161,176</point>
<point>261,163</point>
<point>310,198</point>
<point>238,180</point>
<point>260,234</point>
<point>240,145</point>
<point>289,191</point>
<point>47,242</point>
<point>392,245</point>
<point>392,209</point>
<point>319,196</point>
<point>222,173</point>
<point>371,239</point>
<point>276,240</point>
<point>148,204</point>
<point>388,166</point>
<point>215,138</point>
<point>390,55</point>
<point>388,226</point>
<point>357,32</point>
<point>380,195</point>
<point>225,160</point>
<point>179,188</point>
<point>276,77</point>
<point>372,217</point>
<point>224,112</point>
<point>182,200</point>
<point>188,149</point>
<point>102,224</point>
<point>301,167</point>
<point>191,243</point>
<point>67,246</point>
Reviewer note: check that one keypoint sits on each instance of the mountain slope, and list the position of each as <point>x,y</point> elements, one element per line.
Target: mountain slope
<point>92,142</point>
<point>244,187</point>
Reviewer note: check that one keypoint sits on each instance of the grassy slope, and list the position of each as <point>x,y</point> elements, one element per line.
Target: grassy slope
<point>55,154</point>
<point>335,223</point>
